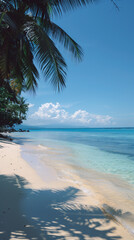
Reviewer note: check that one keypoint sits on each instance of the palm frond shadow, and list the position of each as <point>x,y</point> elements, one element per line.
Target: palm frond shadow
<point>21,140</point>
<point>46,214</point>
<point>5,139</point>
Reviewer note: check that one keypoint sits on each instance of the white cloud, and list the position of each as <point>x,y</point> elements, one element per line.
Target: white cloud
<point>81,116</point>
<point>30,105</point>
<point>50,113</point>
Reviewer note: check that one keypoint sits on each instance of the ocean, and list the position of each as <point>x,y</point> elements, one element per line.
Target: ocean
<point>109,151</point>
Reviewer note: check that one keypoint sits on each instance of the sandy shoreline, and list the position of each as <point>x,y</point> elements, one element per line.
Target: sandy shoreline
<point>48,208</point>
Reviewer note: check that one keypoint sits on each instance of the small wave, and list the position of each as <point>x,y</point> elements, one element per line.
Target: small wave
<point>43,147</point>
<point>74,181</point>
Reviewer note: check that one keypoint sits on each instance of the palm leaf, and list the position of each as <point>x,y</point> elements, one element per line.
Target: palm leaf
<point>50,59</point>
<point>6,5</point>
<point>43,8</point>
<point>30,74</point>
<point>61,6</point>
<point>25,72</point>
<point>59,34</point>
<point>4,64</point>
<point>4,18</point>
<point>115,4</point>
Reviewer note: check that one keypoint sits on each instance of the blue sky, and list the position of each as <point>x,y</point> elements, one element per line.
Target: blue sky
<point>99,90</point>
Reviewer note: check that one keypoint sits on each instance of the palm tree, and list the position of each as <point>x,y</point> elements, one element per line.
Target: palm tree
<point>27,32</point>
<point>23,107</point>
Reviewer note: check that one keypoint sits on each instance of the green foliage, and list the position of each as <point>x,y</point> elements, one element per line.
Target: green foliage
<point>11,112</point>
<point>27,32</point>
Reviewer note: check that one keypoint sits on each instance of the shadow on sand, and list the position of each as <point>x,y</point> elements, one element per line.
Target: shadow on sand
<point>46,214</point>
<point>5,140</point>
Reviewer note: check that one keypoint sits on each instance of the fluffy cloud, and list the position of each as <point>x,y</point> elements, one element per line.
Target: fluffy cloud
<point>55,113</point>
<point>81,116</point>
<point>51,111</point>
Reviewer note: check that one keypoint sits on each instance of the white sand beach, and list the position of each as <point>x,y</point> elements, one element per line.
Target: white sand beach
<point>32,207</point>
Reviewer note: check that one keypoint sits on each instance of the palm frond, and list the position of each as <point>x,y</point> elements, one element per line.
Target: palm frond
<point>30,72</point>
<point>38,8</point>
<point>60,6</point>
<point>115,4</point>
<point>5,18</point>
<point>4,65</point>
<point>30,75</point>
<point>25,72</point>
<point>43,8</point>
<point>50,59</point>
<point>7,5</point>
<point>59,34</point>
<point>3,5</point>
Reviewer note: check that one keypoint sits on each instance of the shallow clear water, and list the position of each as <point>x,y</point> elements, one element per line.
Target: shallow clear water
<point>105,150</point>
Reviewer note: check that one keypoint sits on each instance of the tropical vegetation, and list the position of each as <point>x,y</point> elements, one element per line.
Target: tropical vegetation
<point>11,112</point>
<point>27,33</point>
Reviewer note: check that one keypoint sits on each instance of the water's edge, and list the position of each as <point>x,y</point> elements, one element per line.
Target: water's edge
<point>112,189</point>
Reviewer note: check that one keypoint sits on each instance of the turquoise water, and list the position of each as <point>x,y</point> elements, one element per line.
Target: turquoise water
<point>105,150</point>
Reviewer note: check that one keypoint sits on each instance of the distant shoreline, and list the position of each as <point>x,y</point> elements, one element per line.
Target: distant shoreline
<point>69,128</point>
